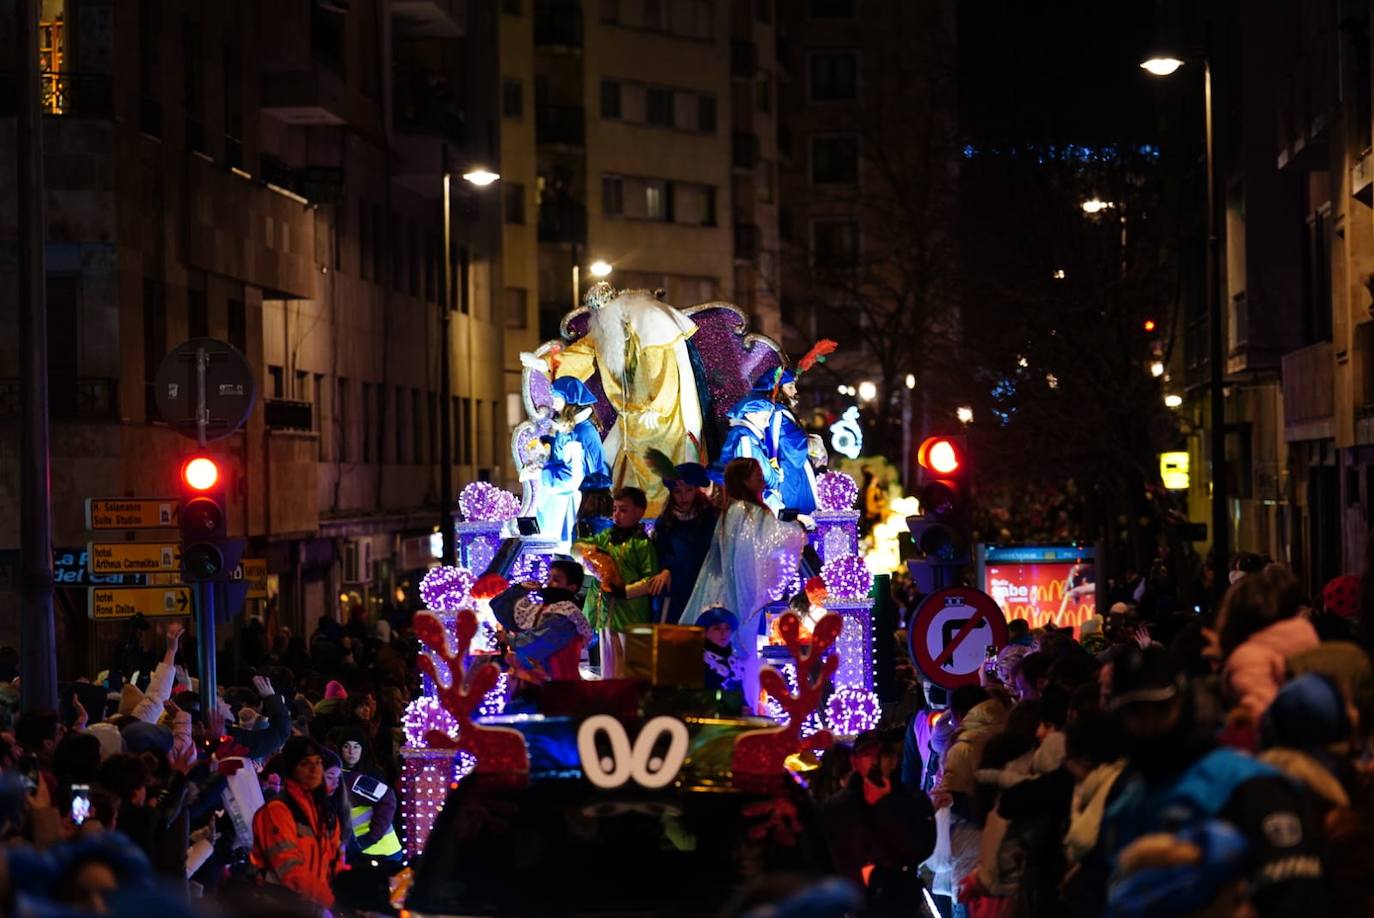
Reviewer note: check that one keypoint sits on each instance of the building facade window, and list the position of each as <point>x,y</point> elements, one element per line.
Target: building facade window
<point>512,99</point>
<point>515,203</point>
<point>834,76</point>
<point>706,114</point>
<point>835,243</point>
<point>342,419</point>
<point>835,159</point>
<point>197,306</point>
<point>610,99</point>
<point>654,200</point>
<point>763,90</point>
<point>367,422</point>
<point>612,195</point>
<point>517,307</point>
<point>658,107</point>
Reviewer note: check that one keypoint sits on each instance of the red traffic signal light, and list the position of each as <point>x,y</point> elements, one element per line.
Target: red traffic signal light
<point>1149,325</point>
<point>940,455</point>
<point>200,473</point>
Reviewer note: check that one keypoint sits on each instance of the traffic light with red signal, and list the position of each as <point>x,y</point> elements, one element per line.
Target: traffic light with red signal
<point>207,553</point>
<point>943,529</point>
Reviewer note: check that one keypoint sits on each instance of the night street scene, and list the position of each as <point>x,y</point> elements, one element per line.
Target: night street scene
<point>687,458</point>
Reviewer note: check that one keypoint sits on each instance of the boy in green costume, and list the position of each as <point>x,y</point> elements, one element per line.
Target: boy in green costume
<point>624,562</point>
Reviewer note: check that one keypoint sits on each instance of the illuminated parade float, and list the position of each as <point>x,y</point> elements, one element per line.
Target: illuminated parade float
<point>639,394</point>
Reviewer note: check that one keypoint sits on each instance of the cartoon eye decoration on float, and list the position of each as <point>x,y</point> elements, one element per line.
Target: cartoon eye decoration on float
<point>622,761</point>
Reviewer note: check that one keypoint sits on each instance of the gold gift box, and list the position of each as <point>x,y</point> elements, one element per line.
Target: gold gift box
<point>666,655</point>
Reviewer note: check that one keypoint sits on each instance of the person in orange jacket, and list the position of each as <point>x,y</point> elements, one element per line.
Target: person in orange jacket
<point>296,837</point>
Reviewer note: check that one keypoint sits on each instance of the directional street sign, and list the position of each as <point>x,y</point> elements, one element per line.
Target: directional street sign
<point>133,557</point>
<point>130,601</point>
<point>131,512</point>
<point>950,633</point>
<point>255,575</point>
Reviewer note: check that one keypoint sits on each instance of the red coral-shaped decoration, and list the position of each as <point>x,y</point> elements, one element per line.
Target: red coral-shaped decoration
<point>489,586</point>
<point>764,752</point>
<point>498,750</point>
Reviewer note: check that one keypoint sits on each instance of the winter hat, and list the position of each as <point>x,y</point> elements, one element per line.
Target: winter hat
<point>717,615</point>
<point>129,698</point>
<point>1342,596</point>
<point>335,690</point>
<point>111,742</point>
<point>769,378</point>
<point>297,748</point>
<point>1307,712</point>
<point>1177,874</point>
<point>693,473</point>
<point>1143,676</point>
<point>144,737</point>
<point>573,391</point>
<point>382,630</point>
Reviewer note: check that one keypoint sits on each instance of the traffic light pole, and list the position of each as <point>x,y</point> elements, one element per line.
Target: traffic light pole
<point>38,648</point>
<point>205,647</point>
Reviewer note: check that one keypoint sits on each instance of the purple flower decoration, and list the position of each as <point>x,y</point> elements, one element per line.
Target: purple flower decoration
<point>446,589</point>
<point>483,502</point>
<point>851,711</point>
<point>836,491</point>
<point>847,578</point>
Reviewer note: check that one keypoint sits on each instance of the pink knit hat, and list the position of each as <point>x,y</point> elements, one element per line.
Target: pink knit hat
<point>335,690</point>
<point>1342,596</point>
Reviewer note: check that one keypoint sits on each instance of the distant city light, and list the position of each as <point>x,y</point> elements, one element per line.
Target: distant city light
<point>964,414</point>
<point>1149,325</point>
<point>1161,66</point>
<point>1096,206</point>
<point>843,389</point>
<point>1052,381</point>
<point>1173,401</point>
<point>868,391</point>
<point>480,177</point>
<point>1157,369</point>
<point>1022,362</point>
<point>599,268</point>
<point>1059,274</point>
<point>910,381</point>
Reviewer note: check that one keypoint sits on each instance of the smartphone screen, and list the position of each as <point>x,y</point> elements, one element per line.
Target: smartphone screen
<point>81,803</point>
<point>369,788</point>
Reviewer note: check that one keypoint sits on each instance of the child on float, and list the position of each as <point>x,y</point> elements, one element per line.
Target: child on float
<point>624,562</point>
<point>724,668</point>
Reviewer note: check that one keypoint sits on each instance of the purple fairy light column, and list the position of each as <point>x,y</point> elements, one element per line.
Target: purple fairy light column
<point>486,509</point>
<point>425,778</point>
<point>837,523</point>
<point>848,582</point>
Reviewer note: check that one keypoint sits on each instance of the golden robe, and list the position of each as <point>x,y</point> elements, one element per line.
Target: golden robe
<point>639,346</point>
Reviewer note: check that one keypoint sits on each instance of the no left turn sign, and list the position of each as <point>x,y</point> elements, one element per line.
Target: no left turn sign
<point>950,633</point>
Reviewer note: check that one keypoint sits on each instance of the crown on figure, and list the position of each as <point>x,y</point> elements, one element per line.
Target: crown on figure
<point>598,295</point>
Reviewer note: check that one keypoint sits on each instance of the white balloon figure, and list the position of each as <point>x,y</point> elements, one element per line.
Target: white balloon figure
<point>846,436</point>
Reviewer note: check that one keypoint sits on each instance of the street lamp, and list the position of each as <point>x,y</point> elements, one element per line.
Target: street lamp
<point>600,268</point>
<point>1161,66</point>
<point>1173,401</point>
<point>1157,369</point>
<point>964,414</point>
<point>910,381</point>
<point>1221,526</point>
<point>480,177</point>
<point>868,391</point>
<point>1096,206</point>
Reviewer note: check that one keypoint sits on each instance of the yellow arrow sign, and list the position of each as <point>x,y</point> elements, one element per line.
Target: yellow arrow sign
<point>126,602</point>
<point>132,557</point>
<point>131,512</point>
<point>255,572</point>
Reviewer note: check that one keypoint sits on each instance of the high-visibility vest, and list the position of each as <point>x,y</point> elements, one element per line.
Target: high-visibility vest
<point>386,846</point>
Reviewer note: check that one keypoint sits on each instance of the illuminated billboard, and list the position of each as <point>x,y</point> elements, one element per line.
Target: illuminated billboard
<point>1043,584</point>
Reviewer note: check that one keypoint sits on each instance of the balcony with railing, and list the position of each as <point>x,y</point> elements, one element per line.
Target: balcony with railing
<point>288,414</point>
<point>747,239</point>
<point>744,150</point>
<point>1309,398</point>
<point>562,219</point>
<point>70,398</point>
<point>89,95</point>
<point>561,125</point>
<point>558,24</point>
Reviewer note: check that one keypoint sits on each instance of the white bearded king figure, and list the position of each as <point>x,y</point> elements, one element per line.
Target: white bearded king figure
<point>639,345</point>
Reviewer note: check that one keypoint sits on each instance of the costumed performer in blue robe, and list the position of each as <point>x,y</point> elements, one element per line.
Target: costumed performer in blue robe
<point>596,475</point>
<point>752,551</point>
<point>682,536</point>
<point>766,429</point>
<point>575,462</point>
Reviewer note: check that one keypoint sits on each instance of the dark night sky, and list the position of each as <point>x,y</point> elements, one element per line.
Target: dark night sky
<point>1055,71</point>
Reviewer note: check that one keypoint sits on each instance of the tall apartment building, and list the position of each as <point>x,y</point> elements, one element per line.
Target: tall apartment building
<point>269,174</point>
<point>1292,90</point>
<point>868,180</point>
<point>652,142</point>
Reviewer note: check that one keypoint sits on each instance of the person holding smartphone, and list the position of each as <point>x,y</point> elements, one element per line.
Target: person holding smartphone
<point>373,808</point>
